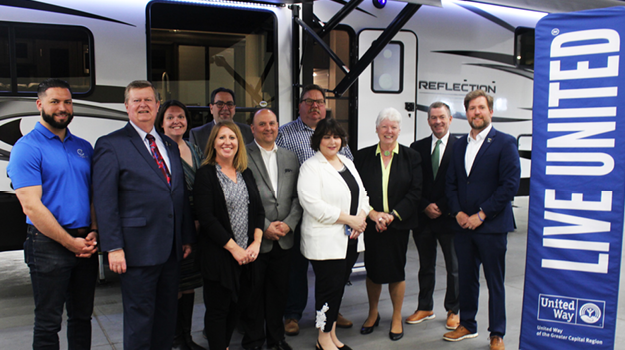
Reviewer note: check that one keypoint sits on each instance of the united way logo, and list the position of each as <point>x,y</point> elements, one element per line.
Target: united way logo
<point>570,310</point>
<point>590,313</point>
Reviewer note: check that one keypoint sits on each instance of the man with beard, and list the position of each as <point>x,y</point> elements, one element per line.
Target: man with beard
<point>223,107</point>
<point>50,169</point>
<point>295,136</point>
<point>483,177</point>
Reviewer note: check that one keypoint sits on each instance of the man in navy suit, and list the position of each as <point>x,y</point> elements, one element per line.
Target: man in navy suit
<point>435,220</point>
<point>223,107</point>
<point>145,219</point>
<point>482,179</point>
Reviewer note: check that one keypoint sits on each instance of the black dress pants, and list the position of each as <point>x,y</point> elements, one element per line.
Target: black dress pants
<point>262,317</point>
<point>330,279</point>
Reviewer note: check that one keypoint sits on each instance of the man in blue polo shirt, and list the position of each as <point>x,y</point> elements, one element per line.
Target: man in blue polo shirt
<point>51,173</point>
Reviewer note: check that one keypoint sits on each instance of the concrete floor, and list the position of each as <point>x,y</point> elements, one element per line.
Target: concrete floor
<point>16,307</point>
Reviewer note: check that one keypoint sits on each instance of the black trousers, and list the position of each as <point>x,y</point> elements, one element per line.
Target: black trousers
<point>262,317</point>
<point>221,316</point>
<point>330,279</point>
<point>425,239</point>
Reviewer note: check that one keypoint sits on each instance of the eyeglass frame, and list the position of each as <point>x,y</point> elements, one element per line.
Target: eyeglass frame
<point>229,104</point>
<point>310,101</point>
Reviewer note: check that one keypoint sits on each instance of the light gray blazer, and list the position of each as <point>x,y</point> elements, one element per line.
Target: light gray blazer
<point>285,205</point>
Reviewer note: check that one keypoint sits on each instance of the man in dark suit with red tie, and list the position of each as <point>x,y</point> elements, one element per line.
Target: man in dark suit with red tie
<point>435,220</point>
<point>482,180</point>
<point>145,219</point>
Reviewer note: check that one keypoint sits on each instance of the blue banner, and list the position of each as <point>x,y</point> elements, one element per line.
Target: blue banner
<point>575,227</point>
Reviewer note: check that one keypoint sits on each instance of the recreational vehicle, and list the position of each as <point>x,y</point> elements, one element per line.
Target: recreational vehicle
<point>368,54</point>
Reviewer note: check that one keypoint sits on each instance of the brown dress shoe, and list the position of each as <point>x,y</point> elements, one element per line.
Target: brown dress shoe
<point>291,326</point>
<point>459,334</point>
<point>496,343</point>
<point>453,320</point>
<point>420,316</point>
<point>342,322</point>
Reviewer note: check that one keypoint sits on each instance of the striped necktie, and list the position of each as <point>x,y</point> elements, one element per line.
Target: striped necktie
<point>158,158</point>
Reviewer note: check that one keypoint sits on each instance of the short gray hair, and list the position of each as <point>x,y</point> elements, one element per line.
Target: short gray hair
<point>390,114</point>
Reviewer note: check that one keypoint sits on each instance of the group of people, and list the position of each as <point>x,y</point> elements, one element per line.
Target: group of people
<point>241,210</point>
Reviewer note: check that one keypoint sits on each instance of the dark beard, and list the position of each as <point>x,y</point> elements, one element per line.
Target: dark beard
<point>53,123</point>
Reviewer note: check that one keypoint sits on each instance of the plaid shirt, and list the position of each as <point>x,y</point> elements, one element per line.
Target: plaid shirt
<point>295,136</point>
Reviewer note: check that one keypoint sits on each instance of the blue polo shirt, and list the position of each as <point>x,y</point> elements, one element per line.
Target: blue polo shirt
<point>62,169</point>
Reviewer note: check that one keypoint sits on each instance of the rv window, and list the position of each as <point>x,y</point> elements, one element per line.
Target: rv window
<point>327,74</point>
<point>5,70</point>
<point>196,49</point>
<point>40,52</point>
<point>524,47</point>
<point>386,69</point>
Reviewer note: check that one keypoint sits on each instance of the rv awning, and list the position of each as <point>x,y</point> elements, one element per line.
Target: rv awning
<point>554,5</point>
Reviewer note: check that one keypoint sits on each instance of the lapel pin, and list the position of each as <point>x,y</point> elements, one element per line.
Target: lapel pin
<point>489,140</point>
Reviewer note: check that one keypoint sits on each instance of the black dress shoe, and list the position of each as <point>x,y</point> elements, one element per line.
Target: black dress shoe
<point>344,347</point>
<point>368,330</point>
<point>281,345</point>
<point>396,336</point>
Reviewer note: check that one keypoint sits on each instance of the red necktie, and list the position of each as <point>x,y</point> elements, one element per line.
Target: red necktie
<point>158,158</point>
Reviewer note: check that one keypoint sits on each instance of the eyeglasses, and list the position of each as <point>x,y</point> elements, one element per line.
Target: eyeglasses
<point>221,104</point>
<point>310,101</point>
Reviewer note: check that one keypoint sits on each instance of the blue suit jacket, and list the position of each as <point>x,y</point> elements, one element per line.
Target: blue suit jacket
<point>491,185</point>
<point>135,207</point>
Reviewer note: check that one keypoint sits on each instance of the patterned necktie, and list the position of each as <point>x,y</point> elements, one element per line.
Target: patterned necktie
<point>158,158</point>
<point>436,158</point>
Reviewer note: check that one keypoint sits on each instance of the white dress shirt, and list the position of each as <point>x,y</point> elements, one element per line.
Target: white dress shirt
<point>473,147</point>
<point>159,143</point>
<point>270,158</point>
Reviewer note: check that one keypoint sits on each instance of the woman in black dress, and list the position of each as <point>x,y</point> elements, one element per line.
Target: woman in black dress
<point>391,173</point>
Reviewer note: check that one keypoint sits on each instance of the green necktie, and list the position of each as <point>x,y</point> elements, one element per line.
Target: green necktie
<point>436,157</point>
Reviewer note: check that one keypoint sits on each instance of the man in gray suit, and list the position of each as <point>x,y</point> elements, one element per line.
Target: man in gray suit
<point>275,170</point>
<point>223,107</point>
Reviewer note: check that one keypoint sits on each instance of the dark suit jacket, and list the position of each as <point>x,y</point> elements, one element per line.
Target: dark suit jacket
<point>215,229</point>
<point>199,135</point>
<point>434,189</point>
<point>135,207</point>
<point>491,185</point>
<point>284,206</point>
<point>404,185</point>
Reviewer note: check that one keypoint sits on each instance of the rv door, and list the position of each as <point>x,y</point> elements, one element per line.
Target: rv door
<point>390,81</point>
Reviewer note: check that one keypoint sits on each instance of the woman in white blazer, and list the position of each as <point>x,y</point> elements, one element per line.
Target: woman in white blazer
<point>335,207</point>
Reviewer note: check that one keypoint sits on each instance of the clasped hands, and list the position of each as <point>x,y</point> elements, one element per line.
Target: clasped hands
<point>381,219</point>
<point>248,255</point>
<point>358,224</point>
<point>470,222</point>
<point>276,230</point>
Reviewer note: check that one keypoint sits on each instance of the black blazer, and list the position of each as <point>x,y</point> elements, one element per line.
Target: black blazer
<point>404,185</point>
<point>215,229</point>
<point>434,189</point>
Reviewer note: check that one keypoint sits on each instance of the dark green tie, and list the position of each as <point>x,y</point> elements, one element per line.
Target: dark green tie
<point>436,158</point>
